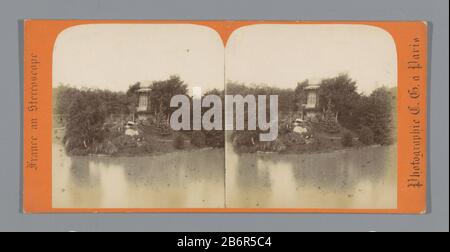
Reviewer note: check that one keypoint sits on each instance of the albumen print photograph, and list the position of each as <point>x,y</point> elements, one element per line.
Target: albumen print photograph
<point>336,144</point>
<point>113,146</point>
<point>298,116</point>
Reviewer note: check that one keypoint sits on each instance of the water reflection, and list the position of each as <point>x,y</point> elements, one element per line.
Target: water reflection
<point>176,180</point>
<point>363,178</point>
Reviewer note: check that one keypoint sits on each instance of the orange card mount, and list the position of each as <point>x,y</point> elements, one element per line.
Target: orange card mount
<point>102,127</point>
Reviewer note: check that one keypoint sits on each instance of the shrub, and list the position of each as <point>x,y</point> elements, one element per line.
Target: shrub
<point>146,147</point>
<point>198,139</point>
<point>124,141</point>
<point>283,130</point>
<point>274,146</point>
<point>388,140</point>
<point>215,138</point>
<point>327,122</point>
<point>291,139</point>
<point>347,139</point>
<point>79,152</point>
<point>246,149</point>
<point>366,136</point>
<point>109,148</point>
<point>245,138</point>
<point>106,147</point>
<point>179,142</point>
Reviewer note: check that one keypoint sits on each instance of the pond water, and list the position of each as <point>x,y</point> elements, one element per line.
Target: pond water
<point>363,178</point>
<point>176,180</point>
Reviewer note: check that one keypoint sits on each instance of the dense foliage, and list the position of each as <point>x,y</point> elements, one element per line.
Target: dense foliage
<point>366,135</point>
<point>162,93</point>
<point>179,142</point>
<point>341,104</point>
<point>347,139</point>
<point>86,111</point>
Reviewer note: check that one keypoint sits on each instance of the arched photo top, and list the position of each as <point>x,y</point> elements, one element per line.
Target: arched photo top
<point>114,56</point>
<point>284,54</point>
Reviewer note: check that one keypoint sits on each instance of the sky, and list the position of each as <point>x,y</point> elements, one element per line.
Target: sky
<point>115,56</point>
<point>282,55</point>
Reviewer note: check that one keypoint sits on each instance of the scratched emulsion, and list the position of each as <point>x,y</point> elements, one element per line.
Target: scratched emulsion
<point>363,178</point>
<point>175,180</point>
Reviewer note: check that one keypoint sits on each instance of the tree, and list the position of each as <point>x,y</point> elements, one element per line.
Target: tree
<point>62,96</point>
<point>378,112</point>
<point>112,102</point>
<point>286,97</point>
<point>162,93</point>
<point>109,102</point>
<point>300,94</point>
<point>85,121</point>
<point>132,96</point>
<point>214,138</point>
<point>379,116</point>
<point>85,112</point>
<point>132,89</point>
<point>340,93</point>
